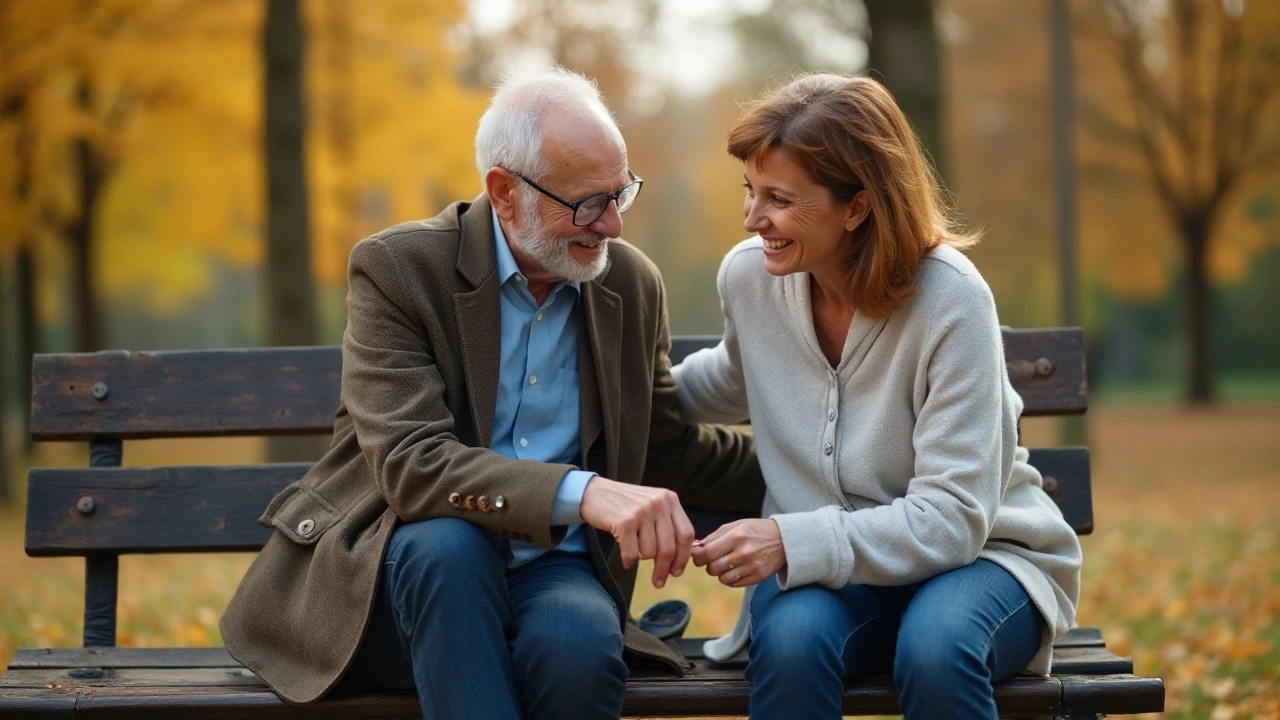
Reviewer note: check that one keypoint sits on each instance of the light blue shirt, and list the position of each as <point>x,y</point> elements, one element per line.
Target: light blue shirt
<point>536,416</point>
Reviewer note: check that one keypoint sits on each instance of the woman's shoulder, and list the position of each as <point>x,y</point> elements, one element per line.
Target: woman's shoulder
<point>947,274</point>
<point>743,263</point>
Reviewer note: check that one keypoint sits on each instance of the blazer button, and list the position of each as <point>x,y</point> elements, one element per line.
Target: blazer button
<point>306,526</point>
<point>484,503</point>
<point>500,503</point>
<point>455,499</point>
<point>470,502</point>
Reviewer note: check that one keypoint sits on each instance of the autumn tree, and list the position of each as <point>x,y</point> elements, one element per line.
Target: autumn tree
<point>903,50</point>
<point>1199,78</point>
<point>895,40</point>
<point>291,316</point>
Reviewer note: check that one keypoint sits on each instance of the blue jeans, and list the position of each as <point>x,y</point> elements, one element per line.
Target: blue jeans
<point>477,639</point>
<point>946,640</point>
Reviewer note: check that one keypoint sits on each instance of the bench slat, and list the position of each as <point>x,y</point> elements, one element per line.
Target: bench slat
<point>292,391</point>
<point>1080,651</point>
<point>222,692</point>
<point>192,508</point>
<point>198,508</point>
<point>185,393</point>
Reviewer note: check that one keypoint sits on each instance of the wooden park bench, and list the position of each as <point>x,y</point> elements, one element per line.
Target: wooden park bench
<point>107,510</point>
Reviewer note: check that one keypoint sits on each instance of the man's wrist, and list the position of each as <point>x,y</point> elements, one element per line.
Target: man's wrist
<point>568,502</point>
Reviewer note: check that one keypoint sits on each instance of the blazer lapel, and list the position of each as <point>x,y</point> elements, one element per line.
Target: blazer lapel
<point>478,315</point>
<point>600,390</point>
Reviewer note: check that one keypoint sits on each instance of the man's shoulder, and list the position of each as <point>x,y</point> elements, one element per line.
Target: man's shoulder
<point>448,222</point>
<point>630,267</point>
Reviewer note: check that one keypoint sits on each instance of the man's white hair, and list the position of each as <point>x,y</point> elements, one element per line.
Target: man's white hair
<point>510,132</point>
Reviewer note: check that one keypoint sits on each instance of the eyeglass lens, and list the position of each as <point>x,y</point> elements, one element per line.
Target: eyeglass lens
<point>593,207</point>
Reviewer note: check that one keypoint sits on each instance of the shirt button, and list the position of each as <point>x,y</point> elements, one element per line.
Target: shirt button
<point>831,415</point>
<point>533,379</point>
<point>827,449</point>
<point>537,318</point>
<point>524,442</point>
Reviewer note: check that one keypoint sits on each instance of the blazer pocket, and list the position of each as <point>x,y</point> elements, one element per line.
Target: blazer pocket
<point>303,516</point>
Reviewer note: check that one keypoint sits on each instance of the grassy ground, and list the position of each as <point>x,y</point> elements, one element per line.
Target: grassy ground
<point>1183,573</point>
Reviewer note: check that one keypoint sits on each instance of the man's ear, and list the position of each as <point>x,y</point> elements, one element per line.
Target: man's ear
<point>500,186</point>
<point>858,210</point>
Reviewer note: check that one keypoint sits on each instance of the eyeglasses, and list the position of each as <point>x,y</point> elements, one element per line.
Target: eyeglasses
<point>590,208</point>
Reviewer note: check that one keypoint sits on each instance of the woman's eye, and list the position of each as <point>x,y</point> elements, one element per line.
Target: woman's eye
<point>779,202</point>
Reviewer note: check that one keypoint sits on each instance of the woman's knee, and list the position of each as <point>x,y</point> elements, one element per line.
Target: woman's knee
<point>797,629</point>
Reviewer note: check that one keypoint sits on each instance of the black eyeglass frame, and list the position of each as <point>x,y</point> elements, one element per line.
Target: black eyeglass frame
<point>636,181</point>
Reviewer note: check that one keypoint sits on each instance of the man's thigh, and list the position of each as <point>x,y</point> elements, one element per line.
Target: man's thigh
<point>557,597</point>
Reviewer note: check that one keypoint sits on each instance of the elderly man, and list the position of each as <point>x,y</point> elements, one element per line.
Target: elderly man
<point>506,450</point>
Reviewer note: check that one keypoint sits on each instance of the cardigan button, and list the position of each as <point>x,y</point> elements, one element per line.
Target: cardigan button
<point>828,449</point>
<point>831,415</point>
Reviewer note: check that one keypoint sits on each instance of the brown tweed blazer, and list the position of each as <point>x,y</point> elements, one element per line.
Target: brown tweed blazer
<point>419,382</point>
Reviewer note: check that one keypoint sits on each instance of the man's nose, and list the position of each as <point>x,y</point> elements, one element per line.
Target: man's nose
<point>609,223</point>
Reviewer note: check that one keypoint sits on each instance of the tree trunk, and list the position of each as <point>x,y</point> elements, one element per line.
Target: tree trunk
<point>25,269</point>
<point>90,168</point>
<point>291,318</point>
<point>6,458</point>
<point>1200,357</point>
<point>904,50</point>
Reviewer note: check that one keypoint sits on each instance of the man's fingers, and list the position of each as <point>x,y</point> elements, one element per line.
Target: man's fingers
<point>683,530</point>
<point>628,546</point>
<point>662,562</point>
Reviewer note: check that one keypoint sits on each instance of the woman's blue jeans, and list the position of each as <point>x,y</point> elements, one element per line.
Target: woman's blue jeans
<point>946,640</point>
<point>480,640</point>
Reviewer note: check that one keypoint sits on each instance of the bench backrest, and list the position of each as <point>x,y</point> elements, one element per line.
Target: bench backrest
<point>105,398</point>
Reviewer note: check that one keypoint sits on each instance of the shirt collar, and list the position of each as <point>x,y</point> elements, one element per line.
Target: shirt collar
<point>507,262</point>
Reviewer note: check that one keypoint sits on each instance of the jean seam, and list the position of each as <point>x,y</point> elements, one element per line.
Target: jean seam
<point>854,631</point>
<point>986,651</point>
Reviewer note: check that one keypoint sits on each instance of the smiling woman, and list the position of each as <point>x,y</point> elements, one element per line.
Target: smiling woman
<point>903,528</point>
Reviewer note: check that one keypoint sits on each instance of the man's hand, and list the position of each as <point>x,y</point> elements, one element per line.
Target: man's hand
<point>647,522</point>
<point>743,552</point>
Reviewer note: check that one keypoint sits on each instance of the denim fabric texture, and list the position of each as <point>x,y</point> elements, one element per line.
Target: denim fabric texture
<point>477,638</point>
<point>946,640</point>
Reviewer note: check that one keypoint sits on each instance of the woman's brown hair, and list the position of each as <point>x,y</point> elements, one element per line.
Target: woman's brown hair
<point>851,136</point>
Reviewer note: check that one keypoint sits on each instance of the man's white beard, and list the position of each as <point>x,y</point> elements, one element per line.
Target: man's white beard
<point>552,253</point>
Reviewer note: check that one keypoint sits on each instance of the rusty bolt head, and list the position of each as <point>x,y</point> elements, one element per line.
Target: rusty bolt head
<point>86,505</point>
<point>99,391</point>
<point>1044,367</point>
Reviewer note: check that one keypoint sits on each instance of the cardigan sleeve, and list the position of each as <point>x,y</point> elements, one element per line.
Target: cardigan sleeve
<point>964,440</point>
<point>711,385</point>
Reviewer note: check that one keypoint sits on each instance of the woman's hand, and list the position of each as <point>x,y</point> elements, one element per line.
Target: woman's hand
<point>741,553</point>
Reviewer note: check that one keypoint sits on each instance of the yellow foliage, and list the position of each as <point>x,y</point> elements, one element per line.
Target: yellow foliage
<point>176,114</point>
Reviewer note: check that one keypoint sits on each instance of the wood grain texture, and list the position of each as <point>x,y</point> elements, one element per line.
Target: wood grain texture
<point>188,393</point>
<point>198,508</point>
<point>295,391</point>
<point>146,510</point>
<point>232,692</point>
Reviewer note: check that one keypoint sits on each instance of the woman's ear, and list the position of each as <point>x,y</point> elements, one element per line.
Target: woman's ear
<point>858,210</point>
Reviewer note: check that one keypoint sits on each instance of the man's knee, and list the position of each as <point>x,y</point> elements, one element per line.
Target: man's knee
<point>440,542</point>
<point>579,631</point>
<point>441,558</point>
